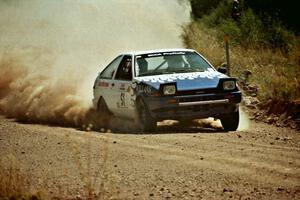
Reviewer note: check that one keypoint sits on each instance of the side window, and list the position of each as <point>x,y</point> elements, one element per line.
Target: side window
<point>125,70</point>
<point>108,72</point>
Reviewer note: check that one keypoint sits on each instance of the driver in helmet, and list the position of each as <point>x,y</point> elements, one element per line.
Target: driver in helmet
<point>174,62</point>
<point>143,65</point>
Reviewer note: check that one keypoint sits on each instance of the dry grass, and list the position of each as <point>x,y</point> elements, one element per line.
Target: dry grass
<point>92,170</point>
<point>13,183</point>
<point>276,74</point>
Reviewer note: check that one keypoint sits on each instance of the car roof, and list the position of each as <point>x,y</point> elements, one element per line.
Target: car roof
<point>155,51</point>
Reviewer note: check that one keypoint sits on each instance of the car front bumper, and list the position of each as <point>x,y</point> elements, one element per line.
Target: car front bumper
<point>193,106</point>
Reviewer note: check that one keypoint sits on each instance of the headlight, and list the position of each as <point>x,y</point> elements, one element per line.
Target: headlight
<point>228,85</point>
<point>169,89</point>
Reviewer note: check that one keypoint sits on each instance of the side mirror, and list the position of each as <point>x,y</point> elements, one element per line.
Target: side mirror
<point>222,70</point>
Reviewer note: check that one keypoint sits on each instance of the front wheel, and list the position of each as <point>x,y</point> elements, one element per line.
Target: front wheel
<point>230,122</point>
<point>145,120</point>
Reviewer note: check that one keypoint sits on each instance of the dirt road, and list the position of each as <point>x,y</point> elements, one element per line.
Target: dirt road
<point>175,163</point>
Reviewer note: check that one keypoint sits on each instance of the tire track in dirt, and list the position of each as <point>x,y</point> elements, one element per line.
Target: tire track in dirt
<point>215,161</point>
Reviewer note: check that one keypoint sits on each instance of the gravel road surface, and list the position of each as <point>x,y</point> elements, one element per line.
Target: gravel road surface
<point>262,162</point>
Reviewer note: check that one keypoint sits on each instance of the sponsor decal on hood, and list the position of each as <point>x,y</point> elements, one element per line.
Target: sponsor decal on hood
<point>185,81</point>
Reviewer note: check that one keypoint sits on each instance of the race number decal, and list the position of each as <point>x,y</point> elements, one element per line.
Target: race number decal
<point>122,98</point>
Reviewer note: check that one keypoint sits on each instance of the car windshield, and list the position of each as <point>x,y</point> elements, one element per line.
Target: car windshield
<point>169,63</point>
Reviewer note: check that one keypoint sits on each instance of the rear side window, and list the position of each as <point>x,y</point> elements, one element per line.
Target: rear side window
<point>125,69</point>
<point>108,72</point>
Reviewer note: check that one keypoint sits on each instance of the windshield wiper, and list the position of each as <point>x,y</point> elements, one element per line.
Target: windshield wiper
<point>188,70</point>
<point>154,73</point>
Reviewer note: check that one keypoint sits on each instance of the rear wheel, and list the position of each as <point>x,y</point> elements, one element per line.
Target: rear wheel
<point>145,120</point>
<point>230,122</point>
<point>105,115</point>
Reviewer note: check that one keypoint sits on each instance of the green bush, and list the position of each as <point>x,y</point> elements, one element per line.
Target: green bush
<point>218,15</point>
<point>247,32</point>
<point>280,37</point>
<point>203,7</point>
<point>284,11</point>
<point>251,27</point>
<point>250,30</point>
<point>230,28</point>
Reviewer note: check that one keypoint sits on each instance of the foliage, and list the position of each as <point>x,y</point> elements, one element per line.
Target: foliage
<point>284,11</point>
<point>201,7</point>
<point>279,37</point>
<point>251,28</point>
<point>218,15</point>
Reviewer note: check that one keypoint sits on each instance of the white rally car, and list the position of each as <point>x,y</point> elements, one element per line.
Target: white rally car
<point>164,84</point>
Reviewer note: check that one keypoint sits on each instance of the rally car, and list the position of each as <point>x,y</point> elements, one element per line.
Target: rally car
<point>178,84</point>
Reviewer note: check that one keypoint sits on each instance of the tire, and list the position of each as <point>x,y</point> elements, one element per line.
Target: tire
<point>146,122</point>
<point>104,114</point>
<point>230,122</point>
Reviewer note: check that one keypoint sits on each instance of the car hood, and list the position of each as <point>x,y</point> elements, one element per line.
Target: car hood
<point>185,81</point>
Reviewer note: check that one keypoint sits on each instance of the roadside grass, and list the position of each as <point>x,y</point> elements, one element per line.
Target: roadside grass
<point>275,72</point>
<point>14,184</point>
<point>93,170</point>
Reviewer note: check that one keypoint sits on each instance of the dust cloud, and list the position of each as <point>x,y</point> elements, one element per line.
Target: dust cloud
<point>244,121</point>
<point>51,51</point>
